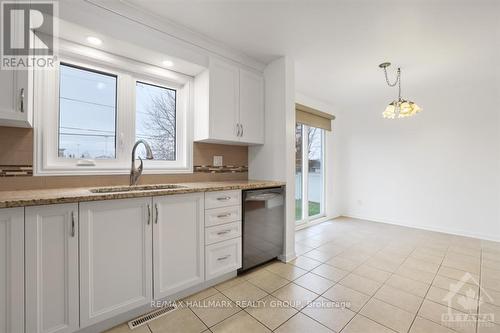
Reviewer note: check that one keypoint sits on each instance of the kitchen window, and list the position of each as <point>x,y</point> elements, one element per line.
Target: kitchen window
<point>155,120</point>
<point>91,110</point>
<point>87,114</point>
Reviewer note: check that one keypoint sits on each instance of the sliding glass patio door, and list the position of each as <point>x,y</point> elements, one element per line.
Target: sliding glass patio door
<point>309,174</point>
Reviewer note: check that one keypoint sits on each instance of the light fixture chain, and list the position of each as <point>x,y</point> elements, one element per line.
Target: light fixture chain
<point>387,78</point>
<point>399,81</point>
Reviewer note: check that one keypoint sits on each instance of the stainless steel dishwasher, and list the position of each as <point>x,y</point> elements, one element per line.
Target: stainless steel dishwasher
<point>263,225</point>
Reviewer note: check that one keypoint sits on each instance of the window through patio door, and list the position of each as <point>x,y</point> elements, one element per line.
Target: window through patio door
<point>309,174</point>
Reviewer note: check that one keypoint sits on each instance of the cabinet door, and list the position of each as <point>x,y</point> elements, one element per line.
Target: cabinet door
<point>178,242</point>
<point>223,257</point>
<point>12,270</point>
<point>15,110</point>
<point>15,97</point>
<point>251,107</point>
<point>115,257</point>
<point>224,89</point>
<point>52,268</point>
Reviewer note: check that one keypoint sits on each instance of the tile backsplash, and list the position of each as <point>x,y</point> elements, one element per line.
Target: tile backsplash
<point>16,160</point>
<point>16,146</point>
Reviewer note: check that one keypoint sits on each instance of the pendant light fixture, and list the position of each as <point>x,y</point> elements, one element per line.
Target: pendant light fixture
<point>399,108</point>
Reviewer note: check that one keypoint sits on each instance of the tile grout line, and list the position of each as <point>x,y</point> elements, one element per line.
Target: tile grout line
<point>298,310</point>
<point>267,294</point>
<point>373,296</point>
<point>394,273</point>
<point>479,290</point>
<point>368,236</point>
<point>430,286</point>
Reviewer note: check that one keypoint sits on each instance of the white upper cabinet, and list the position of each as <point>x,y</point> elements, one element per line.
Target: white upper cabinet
<point>178,243</point>
<point>223,101</point>
<point>12,270</point>
<point>16,87</point>
<point>52,269</point>
<point>251,107</point>
<point>229,105</point>
<point>115,257</point>
<point>15,98</point>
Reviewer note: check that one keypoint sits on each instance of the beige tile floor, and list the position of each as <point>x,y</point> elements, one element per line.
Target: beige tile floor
<point>354,276</point>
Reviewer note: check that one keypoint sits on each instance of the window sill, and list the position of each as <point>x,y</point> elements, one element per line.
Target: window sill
<point>107,172</point>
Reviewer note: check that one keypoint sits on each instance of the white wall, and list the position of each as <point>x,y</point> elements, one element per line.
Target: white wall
<point>439,170</point>
<point>275,160</point>
<point>333,193</point>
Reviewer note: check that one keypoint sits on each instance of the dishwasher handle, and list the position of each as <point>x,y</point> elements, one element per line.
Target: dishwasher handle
<point>264,194</point>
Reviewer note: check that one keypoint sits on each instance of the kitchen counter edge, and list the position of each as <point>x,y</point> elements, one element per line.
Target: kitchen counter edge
<point>24,198</point>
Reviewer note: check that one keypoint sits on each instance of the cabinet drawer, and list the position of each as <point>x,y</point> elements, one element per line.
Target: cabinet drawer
<point>222,199</point>
<point>222,232</point>
<point>222,215</point>
<point>222,258</point>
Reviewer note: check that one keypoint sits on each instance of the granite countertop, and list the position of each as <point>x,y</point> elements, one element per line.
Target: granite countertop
<point>66,195</point>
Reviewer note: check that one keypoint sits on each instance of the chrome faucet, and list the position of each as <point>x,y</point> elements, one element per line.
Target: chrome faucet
<point>135,173</point>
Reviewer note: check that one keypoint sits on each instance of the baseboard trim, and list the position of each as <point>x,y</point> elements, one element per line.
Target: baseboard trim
<point>287,257</point>
<point>456,232</point>
<point>314,222</point>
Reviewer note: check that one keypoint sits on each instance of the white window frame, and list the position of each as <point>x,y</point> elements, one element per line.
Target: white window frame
<point>128,72</point>
<point>306,219</point>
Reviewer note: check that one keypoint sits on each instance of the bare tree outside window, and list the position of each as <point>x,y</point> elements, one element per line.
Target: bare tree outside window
<point>156,120</point>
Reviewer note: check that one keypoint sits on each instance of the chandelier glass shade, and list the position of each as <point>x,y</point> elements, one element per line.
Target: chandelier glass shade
<point>399,108</point>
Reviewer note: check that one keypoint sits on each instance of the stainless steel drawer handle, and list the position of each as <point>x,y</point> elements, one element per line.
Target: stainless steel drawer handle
<point>21,98</point>
<point>72,224</point>
<point>224,232</point>
<point>224,258</point>
<point>156,216</point>
<point>224,198</point>
<point>223,215</point>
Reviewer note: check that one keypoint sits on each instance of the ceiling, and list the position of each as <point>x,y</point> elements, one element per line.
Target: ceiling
<point>337,45</point>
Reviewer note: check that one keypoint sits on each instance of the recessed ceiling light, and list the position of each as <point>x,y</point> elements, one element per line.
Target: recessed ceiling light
<point>94,40</point>
<point>168,63</point>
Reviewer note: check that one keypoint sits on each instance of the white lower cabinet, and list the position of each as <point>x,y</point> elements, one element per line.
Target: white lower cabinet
<point>115,257</point>
<point>69,266</point>
<point>222,233</point>
<point>12,270</point>
<point>223,257</point>
<point>52,268</point>
<point>178,246</point>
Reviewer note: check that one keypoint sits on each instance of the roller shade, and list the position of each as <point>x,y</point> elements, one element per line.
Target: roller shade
<point>312,117</point>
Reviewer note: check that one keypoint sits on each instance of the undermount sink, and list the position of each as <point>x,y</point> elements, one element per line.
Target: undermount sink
<point>116,189</point>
